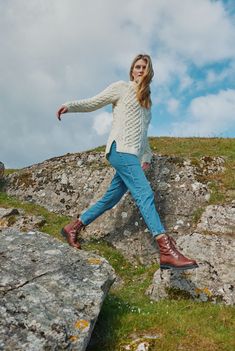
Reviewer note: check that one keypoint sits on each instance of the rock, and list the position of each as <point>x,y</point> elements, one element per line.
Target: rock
<point>2,168</point>
<point>50,293</point>
<point>143,346</point>
<point>72,183</point>
<point>143,342</point>
<point>212,281</point>
<point>218,219</point>
<point>211,165</point>
<point>6,212</point>
<point>17,218</point>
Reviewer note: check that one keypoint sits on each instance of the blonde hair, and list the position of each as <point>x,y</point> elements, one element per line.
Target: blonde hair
<point>143,88</point>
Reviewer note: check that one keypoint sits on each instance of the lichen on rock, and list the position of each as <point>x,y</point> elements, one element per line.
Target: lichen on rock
<point>50,296</point>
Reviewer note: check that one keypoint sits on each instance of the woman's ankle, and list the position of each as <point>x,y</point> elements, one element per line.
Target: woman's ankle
<point>159,236</point>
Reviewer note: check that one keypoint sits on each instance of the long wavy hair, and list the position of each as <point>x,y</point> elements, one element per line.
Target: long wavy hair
<point>143,91</point>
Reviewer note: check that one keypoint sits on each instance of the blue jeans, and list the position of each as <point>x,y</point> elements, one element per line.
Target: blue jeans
<point>129,176</point>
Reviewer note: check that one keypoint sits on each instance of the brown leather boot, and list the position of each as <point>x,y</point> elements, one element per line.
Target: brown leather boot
<point>170,257</point>
<point>70,232</point>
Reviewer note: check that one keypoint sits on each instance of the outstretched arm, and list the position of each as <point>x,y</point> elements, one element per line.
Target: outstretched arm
<point>108,96</point>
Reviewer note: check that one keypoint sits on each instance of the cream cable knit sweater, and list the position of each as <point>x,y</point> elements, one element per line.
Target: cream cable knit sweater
<point>130,120</point>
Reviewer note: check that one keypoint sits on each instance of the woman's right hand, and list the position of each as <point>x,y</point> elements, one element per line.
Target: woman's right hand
<point>62,109</point>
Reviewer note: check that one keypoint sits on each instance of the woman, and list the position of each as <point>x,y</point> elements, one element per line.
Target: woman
<point>128,151</point>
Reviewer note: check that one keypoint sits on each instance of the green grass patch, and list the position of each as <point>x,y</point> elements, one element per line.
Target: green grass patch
<point>181,323</point>
<point>217,196</point>
<point>194,147</point>
<point>197,214</point>
<point>97,149</point>
<point>10,171</point>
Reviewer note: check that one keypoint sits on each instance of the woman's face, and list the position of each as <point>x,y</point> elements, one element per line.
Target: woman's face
<point>138,70</point>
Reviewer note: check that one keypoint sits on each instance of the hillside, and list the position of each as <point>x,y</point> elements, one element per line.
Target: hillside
<point>193,179</point>
<point>194,148</point>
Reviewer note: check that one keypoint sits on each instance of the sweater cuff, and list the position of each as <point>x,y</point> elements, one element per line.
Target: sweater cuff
<point>146,158</point>
<point>69,106</point>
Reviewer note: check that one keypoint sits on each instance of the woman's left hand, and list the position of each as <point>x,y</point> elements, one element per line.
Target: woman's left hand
<point>62,109</point>
<point>145,165</point>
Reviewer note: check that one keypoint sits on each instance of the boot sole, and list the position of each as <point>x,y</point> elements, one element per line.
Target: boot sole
<point>183,268</point>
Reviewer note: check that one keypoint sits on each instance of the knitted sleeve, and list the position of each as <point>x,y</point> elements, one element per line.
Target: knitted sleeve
<point>110,95</point>
<point>147,155</point>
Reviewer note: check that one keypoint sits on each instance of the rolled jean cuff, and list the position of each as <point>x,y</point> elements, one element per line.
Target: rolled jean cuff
<point>156,234</point>
<point>81,219</point>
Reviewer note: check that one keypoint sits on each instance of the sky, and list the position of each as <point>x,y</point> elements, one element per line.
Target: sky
<point>53,51</point>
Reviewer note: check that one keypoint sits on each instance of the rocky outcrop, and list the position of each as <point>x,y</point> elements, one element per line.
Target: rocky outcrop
<point>17,218</point>
<point>2,168</point>
<point>50,293</point>
<point>212,281</point>
<point>218,219</point>
<point>71,183</point>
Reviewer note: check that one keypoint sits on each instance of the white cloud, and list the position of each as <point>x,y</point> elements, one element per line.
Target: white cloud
<point>200,31</point>
<point>170,70</point>
<point>102,123</point>
<point>54,51</point>
<point>168,67</point>
<point>208,115</point>
<point>227,73</point>
<point>172,105</point>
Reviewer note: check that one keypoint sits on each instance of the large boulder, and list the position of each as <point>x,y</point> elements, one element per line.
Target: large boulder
<point>212,281</point>
<point>71,183</point>
<point>50,293</point>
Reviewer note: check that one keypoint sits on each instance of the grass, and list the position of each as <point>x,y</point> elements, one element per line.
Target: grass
<point>10,171</point>
<point>197,214</point>
<point>180,323</point>
<point>194,147</point>
<point>189,147</point>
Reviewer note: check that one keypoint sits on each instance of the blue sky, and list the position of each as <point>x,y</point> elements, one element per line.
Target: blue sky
<point>58,50</point>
